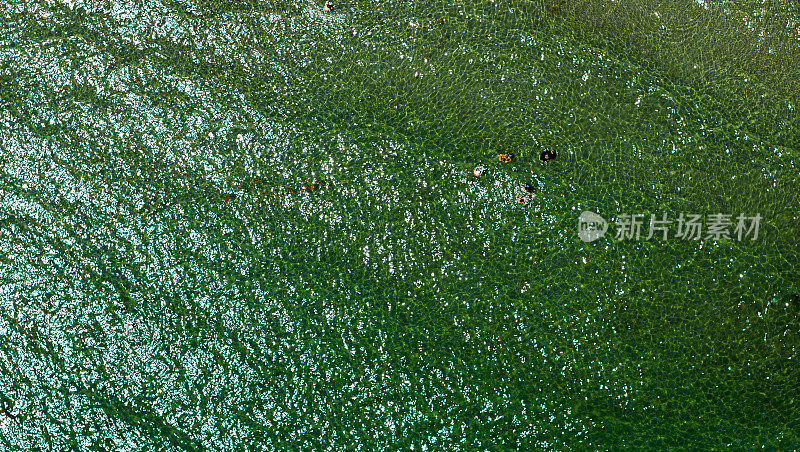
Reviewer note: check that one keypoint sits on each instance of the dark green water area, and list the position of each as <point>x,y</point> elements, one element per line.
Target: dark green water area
<point>250,226</point>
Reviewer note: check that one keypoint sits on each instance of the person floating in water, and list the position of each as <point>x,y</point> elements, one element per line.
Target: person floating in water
<point>547,155</point>
<point>505,158</point>
<point>328,7</point>
<point>478,171</point>
<point>528,189</point>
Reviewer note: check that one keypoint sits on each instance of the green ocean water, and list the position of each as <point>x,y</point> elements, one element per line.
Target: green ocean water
<point>254,226</point>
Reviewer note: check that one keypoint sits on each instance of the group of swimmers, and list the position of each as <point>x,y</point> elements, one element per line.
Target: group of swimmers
<point>507,158</point>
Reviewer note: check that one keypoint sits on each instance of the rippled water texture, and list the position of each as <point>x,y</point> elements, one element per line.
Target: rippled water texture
<point>254,226</point>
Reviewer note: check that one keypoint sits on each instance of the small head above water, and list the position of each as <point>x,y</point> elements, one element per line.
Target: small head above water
<point>547,155</point>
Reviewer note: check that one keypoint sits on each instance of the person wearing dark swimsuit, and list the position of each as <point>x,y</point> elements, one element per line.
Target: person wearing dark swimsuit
<point>547,155</point>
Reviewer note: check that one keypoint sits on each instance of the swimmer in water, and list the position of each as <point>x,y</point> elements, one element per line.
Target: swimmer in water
<point>478,171</point>
<point>328,7</point>
<point>505,158</point>
<point>547,155</point>
<point>528,190</point>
